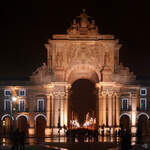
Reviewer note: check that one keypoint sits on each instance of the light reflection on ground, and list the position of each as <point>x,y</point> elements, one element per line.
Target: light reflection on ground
<point>34,141</point>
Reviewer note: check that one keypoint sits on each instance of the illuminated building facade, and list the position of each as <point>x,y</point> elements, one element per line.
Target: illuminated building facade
<point>82,53</point>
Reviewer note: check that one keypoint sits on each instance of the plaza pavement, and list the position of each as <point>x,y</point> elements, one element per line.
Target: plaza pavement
<point>67,146</point>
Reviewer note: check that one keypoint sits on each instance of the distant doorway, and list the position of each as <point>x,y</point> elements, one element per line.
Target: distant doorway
<point>143,124</point>
<point>125,122</point>
<point>23,124</point>
<point>82,101</point>
<point>40,126</point>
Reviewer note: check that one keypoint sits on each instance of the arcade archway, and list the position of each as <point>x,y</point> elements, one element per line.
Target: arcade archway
<point>143,124</point>
<point>40,126</point>
<point>83,104</point>
<point>22,124</point>
<point>125,122</point>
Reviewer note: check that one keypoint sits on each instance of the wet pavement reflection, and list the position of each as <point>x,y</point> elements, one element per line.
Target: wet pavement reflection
<point>34,141</point>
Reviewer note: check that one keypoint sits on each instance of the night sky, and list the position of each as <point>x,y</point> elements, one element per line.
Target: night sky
<point>25,27</point>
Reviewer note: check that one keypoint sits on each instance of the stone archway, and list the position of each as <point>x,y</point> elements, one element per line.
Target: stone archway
<point>83,102</point>
<point>143,124</point>
<point>80,75</point>
<point>22,124</point>
<point>40,126</point>
<point>82,71</point>
<point>125,122</point>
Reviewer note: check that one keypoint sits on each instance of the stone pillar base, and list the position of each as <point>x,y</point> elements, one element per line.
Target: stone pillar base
<point>48,132</point>
<point>56,132</point>
<point>133,130</point>
<point>31,132</point>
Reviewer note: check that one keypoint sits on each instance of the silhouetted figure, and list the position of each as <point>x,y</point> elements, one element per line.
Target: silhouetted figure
<point>139,136</point>
<point>96,134</point>
<point>73,136</point>
<point>68,134</point>
<point>89,136</point>
<point>15,139</point>
<point>126,140</point>
<point>22,139</point>
<point>119,132</point>
<point>103,133</point>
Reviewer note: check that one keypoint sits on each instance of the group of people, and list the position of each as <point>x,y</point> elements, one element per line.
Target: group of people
<point>82,135</point>
<point>17,139</point>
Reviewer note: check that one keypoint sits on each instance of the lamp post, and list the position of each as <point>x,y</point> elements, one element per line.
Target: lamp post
<point>13,99</point>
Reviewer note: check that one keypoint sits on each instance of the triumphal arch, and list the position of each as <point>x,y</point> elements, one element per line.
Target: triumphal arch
<point>83,53</point>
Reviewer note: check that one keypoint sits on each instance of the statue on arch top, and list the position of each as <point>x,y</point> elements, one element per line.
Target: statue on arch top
<point>84,19</point>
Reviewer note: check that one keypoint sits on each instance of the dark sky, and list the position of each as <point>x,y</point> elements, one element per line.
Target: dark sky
<point>25,27</point>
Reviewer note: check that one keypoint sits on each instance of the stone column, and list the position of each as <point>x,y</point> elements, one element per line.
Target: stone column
<point>31,129</point>
<point>52,111</point>
<point>114,110</point>
<point>56,109</point>
<point>117,111</point>
<point>66,106</point>
<point>48,111</point>
<point>56,113</point>
<point>62,110</point>
<point>134,113</point>
<point>100,109</point>
<point>104,108</point>
<point>48,115</point>
<point>110,112</point>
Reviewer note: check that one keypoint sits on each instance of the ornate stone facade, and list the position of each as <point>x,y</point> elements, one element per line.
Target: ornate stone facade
<point>81,53</point>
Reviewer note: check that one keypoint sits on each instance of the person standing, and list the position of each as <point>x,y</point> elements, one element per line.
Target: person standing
<point>22,140</point>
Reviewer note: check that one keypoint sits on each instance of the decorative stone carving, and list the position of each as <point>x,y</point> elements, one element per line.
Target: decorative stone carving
<point>84,19</point>
<point>84,26</point>
<point>42,75</point>
<point>59,59</point>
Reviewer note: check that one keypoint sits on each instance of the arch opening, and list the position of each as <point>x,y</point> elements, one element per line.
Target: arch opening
<point>83,104</point>
<point>40,126</point>
<point>125,122</point>
<point>22,124</point>
<point>142,125</point>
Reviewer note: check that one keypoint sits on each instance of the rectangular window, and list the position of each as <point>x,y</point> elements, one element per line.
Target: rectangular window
<point>143,91</point>
<point>22,92</point>
<point>7,105</point>
<point>40,105</point>
<point>22,107</point>
<point>7,92</point>
<point>143,104</point>
<point>125,104</point>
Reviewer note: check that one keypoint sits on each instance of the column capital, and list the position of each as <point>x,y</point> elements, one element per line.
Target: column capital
<point>104,93</point>
<point>59,93</point>
<point>110,94</point>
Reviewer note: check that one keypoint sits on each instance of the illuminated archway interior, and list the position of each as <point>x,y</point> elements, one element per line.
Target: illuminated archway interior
<point>82,101</point>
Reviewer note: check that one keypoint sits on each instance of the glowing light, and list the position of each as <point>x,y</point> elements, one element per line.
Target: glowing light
<point>90,123</point>
<point>14,98</point>
<point>4,123</point>
<point>48,131</point>
<point>31,131</point>
<point>133,118</point>
<point>133,130</point>
<point>74,123</point>
<point>4,142</point>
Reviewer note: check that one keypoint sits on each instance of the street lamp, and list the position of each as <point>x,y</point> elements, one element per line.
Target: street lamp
<point>13,99</point>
